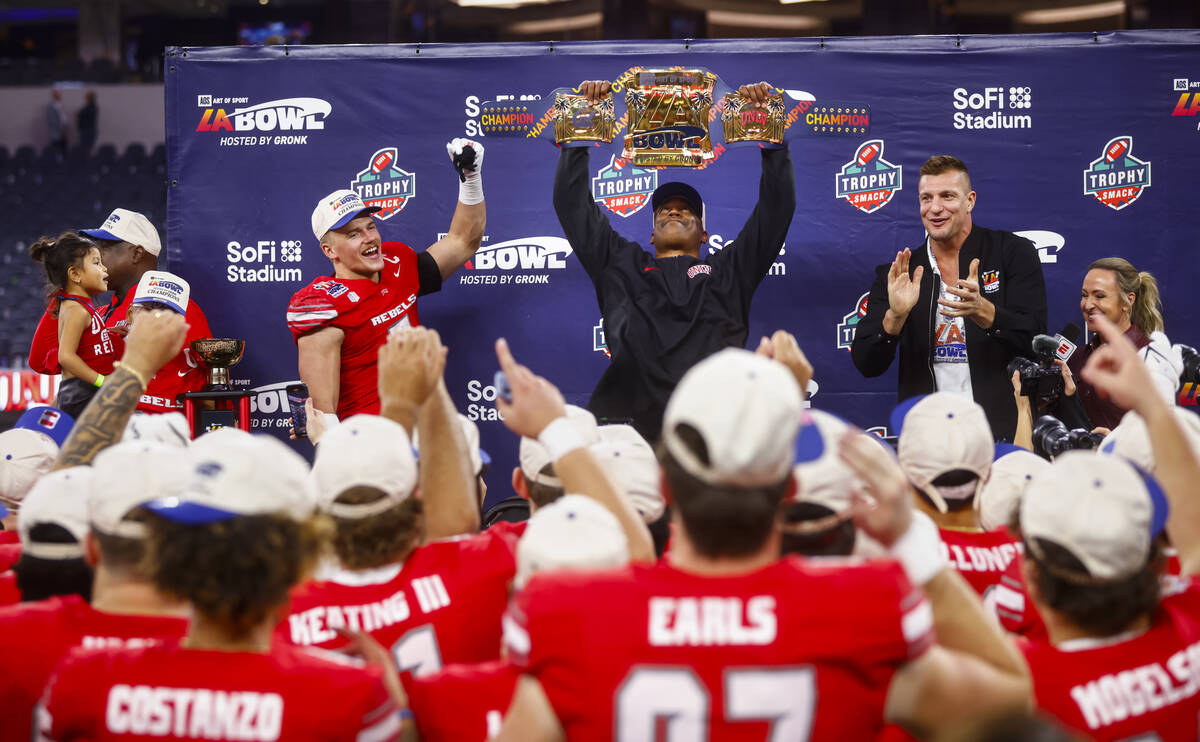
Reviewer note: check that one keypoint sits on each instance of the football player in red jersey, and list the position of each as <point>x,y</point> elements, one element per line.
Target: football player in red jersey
<point>340,321</point>
<point>233,543</point>
<point>725,641</point>
<point>125,609</point>
<point>1124,644</point>
<point>946,450</point>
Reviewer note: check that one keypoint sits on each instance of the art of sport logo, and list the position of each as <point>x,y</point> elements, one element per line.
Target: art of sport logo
<point>990,281</point>
<point>868,181</point>
<point>624,188</point>
<point>1188,102</point>
<point>385,185</point>
<point>849,323</point>
<point>1117,178</point>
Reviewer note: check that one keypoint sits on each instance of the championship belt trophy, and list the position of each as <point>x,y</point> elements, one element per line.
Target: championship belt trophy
<point>218,404</point>
<point>668,117</point>
<point>743,121</point>
<point>577,121</point>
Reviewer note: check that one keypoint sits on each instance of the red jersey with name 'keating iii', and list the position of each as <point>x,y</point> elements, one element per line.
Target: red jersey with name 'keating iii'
<point>462,703</point>
<point>1144,687</point>
<point>797,650</point>
<point>171,692</point>
<point>981,557</point>
<point>366,312</point>
<point>34,637</point>
<point>442,605</point>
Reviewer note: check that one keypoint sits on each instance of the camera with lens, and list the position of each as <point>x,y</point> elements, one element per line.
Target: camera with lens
<point>1191,364</point>
<point>1052,438</point>
<point>1041,380</point>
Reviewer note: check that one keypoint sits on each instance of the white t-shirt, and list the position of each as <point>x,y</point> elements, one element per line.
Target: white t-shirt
<point>951,372</point>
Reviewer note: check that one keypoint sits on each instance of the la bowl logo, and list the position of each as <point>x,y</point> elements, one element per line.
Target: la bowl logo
<point>624,188</point>
<point>868,182</point>
<point>385,185</point>
<point>849,323</point>
<point>288,114</point>
<point>1116,178</point>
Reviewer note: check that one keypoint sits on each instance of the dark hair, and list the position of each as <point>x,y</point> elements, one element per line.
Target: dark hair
<point>380,539</point>
<point>939,164</point>
<point>120,553</point>
<point>834,540</point>
<point>38,579</point>
<point>1099,608</point>
<point>58,255</point>
<point>540,493</point>
<point>720,521</point>
<point>236,572</point>
<point>953,478</point>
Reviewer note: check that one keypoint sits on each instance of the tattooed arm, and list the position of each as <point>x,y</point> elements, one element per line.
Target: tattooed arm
<point>154,339</point>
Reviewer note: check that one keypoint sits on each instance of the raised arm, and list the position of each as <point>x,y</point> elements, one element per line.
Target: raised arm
<point>470,214</point>
<point>878,331</point>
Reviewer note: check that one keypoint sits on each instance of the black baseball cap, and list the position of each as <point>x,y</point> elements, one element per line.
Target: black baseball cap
<point>676,189</point>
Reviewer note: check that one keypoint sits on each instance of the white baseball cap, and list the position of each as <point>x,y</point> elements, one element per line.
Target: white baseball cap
<point>1099,508</point>
<point>940,433</point>
<point>337,210</point>
<point>232,476</point>
<point>364,451</point>
<point>123,225</point>
<point>25,455</point>
<point>225,436</point>
<point>821,477</point>
<point>471,433</point>
<point>170,428</point>
<point>164,288</point>
<point>1131,440</point>
<point>533,456</point>
<point>130,474</point>
<point>746,409</point>
<point>631,462</point>
<point>573,532</point>
<point>1012,470</point>
<point>59,498</point>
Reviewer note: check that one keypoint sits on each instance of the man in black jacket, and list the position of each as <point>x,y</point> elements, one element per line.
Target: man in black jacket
<point>665,312</point>
<point>959,334</point>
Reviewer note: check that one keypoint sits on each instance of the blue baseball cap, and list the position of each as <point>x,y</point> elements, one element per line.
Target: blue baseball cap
<point>50,421</point>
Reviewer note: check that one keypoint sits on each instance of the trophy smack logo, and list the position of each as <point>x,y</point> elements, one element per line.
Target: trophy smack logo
<point>868,182</point>
<point>1117,178</point>
<point>849,323</point>
<point>384,185</point>
<point>624,188</point>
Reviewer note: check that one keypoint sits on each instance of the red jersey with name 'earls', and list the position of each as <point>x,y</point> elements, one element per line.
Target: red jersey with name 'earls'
<point>797,648</point>
<point>34,637</point>
<point>462,702</point>
<point>1143,686</point>
<point>366,312</point>
<point>981,557</point>
<point>441,605</point>
<point>172,692</point>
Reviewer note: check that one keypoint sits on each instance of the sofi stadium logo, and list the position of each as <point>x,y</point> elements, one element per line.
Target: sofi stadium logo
<point>868,181</point>
<point>385,185</point>
<point>287,114</point>
<point>849,323</point>
<point>624,188</point>
<point>1117,178</point>
<point>525,260</point>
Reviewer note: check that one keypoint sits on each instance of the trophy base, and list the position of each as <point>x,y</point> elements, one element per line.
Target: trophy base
<point>231,409</point>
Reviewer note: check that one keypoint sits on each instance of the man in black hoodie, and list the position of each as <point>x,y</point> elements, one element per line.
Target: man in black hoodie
<point>955,334</point>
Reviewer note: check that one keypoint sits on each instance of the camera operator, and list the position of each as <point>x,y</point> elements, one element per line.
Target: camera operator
<point>1115,290</point>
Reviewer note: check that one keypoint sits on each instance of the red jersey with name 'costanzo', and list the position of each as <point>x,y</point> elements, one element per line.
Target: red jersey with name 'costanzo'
<point>366,312</point>
<point>442,605</point>
<point>34,637</point>
<point>462,703</point>
<point>979,556</point>
<point>173,692</point>
<point>793,647</point>
<point>1145,686</point>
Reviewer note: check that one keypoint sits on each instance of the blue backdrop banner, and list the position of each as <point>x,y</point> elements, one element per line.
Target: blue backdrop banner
<point>256,135</point>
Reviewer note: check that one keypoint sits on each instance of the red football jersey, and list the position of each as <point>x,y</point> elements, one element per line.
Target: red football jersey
<point>1128,687</point>
<point>177,693</point>
<point>183,373</point>
<point>95,347</point>
<point>442,605</point>
<point>979,556</point>
<point>366,311</point>
<point>10,594</point>
<point>1010,603</point>
<point>35,636</point>
<point>10,537</point>
<point>622,654</point>
<point>9,554</point>
<point>462,703</point>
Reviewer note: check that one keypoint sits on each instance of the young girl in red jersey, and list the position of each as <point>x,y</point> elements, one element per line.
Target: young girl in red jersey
<point>85,351</point>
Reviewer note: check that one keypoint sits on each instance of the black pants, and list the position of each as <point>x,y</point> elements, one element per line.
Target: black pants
<point>74,395</point>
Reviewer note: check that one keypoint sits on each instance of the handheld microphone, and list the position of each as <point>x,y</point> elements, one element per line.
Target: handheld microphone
<point>1066,342</point>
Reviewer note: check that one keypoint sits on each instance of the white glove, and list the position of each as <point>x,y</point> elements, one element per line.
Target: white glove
<point>467,157</point>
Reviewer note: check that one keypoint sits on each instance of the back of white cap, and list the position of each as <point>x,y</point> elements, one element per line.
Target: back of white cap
<point>573,532</point>
<point>59,498</point>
